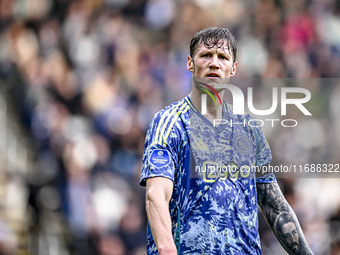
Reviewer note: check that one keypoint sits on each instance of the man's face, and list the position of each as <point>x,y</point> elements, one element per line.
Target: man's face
<point>291,236</point>
<point>212,63</point>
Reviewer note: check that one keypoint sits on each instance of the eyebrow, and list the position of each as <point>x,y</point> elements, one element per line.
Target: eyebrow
<point>219,51</point>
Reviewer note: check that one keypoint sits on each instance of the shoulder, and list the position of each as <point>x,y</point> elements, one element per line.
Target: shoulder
<point>170,121</point>
<point>171,111</point>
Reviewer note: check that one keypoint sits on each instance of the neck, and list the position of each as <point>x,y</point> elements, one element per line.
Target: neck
<point>213,111</point>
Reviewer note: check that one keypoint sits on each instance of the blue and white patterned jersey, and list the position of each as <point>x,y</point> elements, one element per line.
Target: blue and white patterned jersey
<point>214,203</point>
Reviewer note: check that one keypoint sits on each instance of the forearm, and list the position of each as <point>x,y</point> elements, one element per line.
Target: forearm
<point>160,224</point>
<point>282,219</point>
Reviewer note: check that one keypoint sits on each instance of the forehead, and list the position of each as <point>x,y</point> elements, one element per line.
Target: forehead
<point>222,46</point>
<point>289,226</point>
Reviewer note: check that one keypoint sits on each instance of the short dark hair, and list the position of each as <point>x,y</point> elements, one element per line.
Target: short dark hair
<point>211,37</point>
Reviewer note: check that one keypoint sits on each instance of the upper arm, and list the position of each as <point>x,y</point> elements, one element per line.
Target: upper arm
<point>267,193</point>
<point>270,200</point>
<point>159,188</point>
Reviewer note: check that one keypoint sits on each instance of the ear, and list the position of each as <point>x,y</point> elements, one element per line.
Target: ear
<point>233,69</point>
<point>190,64</point>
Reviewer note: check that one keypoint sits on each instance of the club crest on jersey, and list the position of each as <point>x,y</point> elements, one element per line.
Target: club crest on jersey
<point>159,158</point>
<point>242,144</point>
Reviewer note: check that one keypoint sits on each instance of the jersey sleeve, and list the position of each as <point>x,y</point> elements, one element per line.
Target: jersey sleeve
<point>160,153</point>
<point>263,154</point>
<point>268,178</point>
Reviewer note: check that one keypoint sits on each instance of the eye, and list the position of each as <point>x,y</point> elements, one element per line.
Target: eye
<point>206,55</point>
<point>223,57</point>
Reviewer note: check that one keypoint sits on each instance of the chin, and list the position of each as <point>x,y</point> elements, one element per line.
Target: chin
<point>295,249</point>
<point>213,79</point>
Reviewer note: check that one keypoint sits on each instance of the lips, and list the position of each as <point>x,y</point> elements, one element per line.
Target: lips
<point>216,75</point>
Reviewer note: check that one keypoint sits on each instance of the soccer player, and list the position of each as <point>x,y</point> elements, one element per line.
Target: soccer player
<point>201,191</point>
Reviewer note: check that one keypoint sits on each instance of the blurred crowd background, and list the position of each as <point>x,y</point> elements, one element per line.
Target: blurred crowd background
<point>80,81</point>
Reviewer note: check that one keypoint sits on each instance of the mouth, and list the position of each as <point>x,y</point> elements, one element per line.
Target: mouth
<point>213,75</point>
<point>294,246</point>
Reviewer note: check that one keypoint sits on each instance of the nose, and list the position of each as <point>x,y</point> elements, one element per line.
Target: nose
<point>214,62</point>
<point>295,238</point>
<point>290,239</point>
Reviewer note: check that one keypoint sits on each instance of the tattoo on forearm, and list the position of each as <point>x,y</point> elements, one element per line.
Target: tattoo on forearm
<point>281,219</point>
